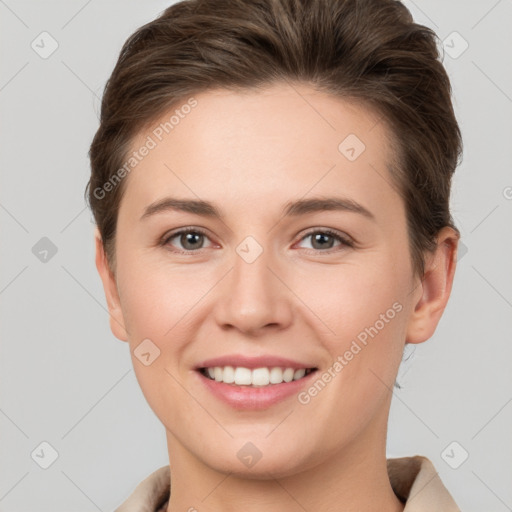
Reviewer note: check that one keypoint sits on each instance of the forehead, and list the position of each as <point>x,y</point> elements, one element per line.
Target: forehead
<point>280,142</point>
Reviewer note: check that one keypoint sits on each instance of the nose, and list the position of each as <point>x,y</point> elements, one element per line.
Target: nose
<point>253,298</point>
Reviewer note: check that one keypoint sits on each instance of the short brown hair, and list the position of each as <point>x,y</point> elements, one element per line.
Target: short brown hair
<point>368,51</point>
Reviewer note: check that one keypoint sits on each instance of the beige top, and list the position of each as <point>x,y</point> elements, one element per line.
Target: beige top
<point>413,479</point>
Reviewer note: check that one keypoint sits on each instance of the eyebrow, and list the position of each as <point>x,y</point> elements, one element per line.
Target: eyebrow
<point>290,209</point>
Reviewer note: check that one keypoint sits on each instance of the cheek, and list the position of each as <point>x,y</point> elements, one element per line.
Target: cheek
<point>156,303</point>
<point>366,310</point>
<point>353,297</point>
<point>155,298</point>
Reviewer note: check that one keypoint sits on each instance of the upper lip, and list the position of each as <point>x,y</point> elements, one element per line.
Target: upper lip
<point>253,362</point>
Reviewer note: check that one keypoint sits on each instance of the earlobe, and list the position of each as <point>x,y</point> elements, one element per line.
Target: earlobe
<point>435,287</point>
<point>117,324</point>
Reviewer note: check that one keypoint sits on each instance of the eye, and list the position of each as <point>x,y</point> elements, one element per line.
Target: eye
<point>190,239</point>
<point>323,239</point>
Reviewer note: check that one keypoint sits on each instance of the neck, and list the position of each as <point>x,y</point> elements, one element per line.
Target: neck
<point>353,479</point>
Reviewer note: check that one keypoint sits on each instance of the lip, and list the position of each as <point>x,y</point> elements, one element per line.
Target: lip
<point>253,362</point>
<point>251,398</point>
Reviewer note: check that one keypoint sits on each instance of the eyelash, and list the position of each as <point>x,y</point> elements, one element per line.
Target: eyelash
<point>342,239</point>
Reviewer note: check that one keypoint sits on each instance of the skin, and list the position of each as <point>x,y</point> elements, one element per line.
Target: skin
<point>250,153</point>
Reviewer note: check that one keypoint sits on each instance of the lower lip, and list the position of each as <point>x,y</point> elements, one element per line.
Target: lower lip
<point>254,398</point>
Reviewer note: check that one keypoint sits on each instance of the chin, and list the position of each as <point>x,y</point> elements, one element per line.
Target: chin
<point>259,459</point>
<point>262,470</point>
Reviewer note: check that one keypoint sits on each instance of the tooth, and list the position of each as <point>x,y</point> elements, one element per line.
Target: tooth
<point>299,374</point>
<point>288,375</point>
<point>229,375</point>
<point>243,376</point>
<point>276,376</point>
<point>260,377</point>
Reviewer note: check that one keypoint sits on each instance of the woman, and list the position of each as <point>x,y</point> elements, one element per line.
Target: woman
<point>271,182</point>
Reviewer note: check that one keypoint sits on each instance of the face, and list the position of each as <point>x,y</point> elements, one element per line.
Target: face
<point>258,234</point>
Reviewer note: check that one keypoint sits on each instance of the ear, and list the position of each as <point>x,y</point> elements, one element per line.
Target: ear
<point>117,324</point>
<point>435,287</point>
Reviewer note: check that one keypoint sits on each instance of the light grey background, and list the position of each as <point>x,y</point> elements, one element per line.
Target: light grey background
<point>67,381</point>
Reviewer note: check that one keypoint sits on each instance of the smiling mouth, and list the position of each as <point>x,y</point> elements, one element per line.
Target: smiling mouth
<point>257,377</point>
